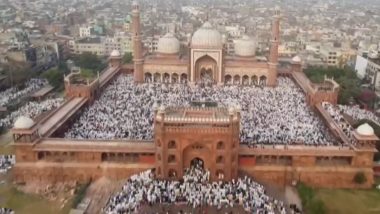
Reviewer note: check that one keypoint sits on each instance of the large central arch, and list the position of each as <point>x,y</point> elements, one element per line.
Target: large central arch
<point>206,66</point>
<point>194,151</point>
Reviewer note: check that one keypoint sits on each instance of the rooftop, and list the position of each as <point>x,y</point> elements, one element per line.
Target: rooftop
<point>90,40</point>
<point>197,114</point>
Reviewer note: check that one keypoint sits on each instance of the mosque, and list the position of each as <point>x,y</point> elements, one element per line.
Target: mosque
<point>182,134</point>
<point>206,59</point>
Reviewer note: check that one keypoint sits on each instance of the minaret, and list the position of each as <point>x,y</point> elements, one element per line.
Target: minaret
<point>273,55</point>
<point>137,45</point>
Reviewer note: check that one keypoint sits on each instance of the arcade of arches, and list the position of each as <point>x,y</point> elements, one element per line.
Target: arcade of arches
<point>206,75</point>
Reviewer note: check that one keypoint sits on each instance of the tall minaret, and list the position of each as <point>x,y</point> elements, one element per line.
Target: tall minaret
<point>137,45</point>
<point>273,55</point>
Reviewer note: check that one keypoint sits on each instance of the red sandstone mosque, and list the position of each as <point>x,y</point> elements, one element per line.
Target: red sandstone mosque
<point>206,59</point>
<point>182,134</point>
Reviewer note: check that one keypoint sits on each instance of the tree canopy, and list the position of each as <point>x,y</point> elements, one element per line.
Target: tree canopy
<point>89,61</point>
<point>350,84</point>
<point>127,58</point>
<point>54,77</point>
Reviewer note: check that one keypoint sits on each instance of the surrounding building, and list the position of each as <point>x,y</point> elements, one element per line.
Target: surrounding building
<point>101,46</point>
<point>86,31</point>
<point>330,56</point>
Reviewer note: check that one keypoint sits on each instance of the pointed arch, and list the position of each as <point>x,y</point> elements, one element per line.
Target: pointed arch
<point>245,80</point>
<point>175,78</point>
<point>228,79</point>
<point>148,77</point>
<point>254,80</point>
<point>263,80</point>
<point>236,80</point>
<point>157,77</point>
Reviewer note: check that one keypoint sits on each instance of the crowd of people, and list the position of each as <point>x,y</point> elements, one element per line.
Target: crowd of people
<point>336,114</point>
<point>14,93</point>
<point>358,114</point>
<point>277,115</point>
<point>195,190</point>
<point>31,109</point>
<point>4,210</point>
<point>6,162</point>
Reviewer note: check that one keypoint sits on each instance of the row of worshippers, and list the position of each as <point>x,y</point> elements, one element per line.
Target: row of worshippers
<point>358,114</point>
<point>269,115</point>
<point>337,116</point>
<point>6,162</point>
<point>4,210</point>
<point>15,93</point>
<point>31,109</point>
<point>143,190</point>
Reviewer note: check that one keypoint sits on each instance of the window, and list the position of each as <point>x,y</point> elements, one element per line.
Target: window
<point>171,159</point>
<point>220,145</point>
<point>41,155</point>
<point>172,144</point>
<point>104,156</point>
<point>219,159</point>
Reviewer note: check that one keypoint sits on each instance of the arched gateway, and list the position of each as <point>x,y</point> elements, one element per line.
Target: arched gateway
<point>185,135</point>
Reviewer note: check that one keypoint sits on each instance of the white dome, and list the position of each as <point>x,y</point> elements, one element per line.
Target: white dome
<point>245,46</point>
<point>365,129</point>
<point>23,123</point>
<point>115,53</point>
<point>168,44</point>
<point>207,37</point>
<point>296,59</point>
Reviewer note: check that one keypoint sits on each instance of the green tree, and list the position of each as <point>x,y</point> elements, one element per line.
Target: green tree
<point>87,73</point>
<point>55,77</point>
<point>62,66</point>
<point>349,89</point>
<point>127,58</point>
<point>350,84</point>
<point>89,61</point>
<point>360,178</point>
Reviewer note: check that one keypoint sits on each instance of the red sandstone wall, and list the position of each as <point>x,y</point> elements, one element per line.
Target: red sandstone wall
<point>303,160</point>
<point>320,96</point>
<point>64,172</point>
<point>24,152</point>
<point>326,177</point>
<point>247,161</point>
<point>145,159</point>
<point>363,159</point>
